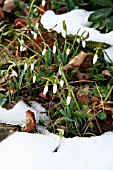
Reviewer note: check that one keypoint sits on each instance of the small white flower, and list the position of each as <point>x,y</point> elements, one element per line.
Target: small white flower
<point>34,35</point>
<point>32,66</point>
<point>37,26</point>
<point>68,100</point>
<point>44,51</point>
<point>86,34</point>
<point>43,2</point>
<point>14,73</point>
<point>83,43</point>
<point>60,71</point>
<point>21,48</point>
<point>45,89</point>
<point>54,49</point>
<point>78,40</point>
<point>95,58</point>
<point>34,78</point>
<point>64,33</point>
<point>68,51</point>
<point>54,88</point>
<point>21,41</point>
<point>61,83</point>
<point>25,66</point>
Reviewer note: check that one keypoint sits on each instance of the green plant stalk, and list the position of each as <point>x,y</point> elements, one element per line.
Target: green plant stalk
<point>68,87</point>
<point>108,94</point>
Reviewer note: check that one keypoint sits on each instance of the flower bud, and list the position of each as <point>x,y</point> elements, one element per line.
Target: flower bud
<point>44,51</point>
<point>68,100</point>
<point>34,78</point>
<point>61,83</point>
<point>95,58</point>
<point>14,73</point>
<point>25,66</point>
<point>45,88</point>
<point>54,88</point>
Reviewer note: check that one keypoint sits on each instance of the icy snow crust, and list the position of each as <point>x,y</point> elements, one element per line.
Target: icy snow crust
<point>17,115</point>
<point>23,151</point>
<point>75,20</point>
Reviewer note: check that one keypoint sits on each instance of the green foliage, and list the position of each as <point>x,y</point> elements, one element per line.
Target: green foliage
<point>102,19</point>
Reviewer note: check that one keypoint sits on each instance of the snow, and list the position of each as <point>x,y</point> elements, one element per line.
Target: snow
<point>17,115</point>
<point>24,151</point>
<point>75,20</point>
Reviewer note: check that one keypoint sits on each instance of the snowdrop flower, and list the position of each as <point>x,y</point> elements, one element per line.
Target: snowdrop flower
<point>43,2</point>
<point>61,83</point>
<point>54,49</point>
<point>21,41</point>
<point>78,40</point>
<point>64,29</point>
<point>25,66</point>
<point>45,88</point>
<point>68,51</point>
<point>44,51</point>
<point>22,48</point>
<point>68,100</point>
<point>32,66</point>
<point>54,88</point>
<point>14,73</point>
<point>95,58</point>
<point>83,43</point>
<point>34,35</point>
<point>37,26</point>
<point>60,71</point>
<point>34,78</point>
<point>86,34</point>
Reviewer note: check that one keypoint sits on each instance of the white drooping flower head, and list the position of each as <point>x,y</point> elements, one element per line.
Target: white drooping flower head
<point>46,88</point>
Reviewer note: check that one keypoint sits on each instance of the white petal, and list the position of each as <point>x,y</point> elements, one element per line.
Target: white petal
<point>54,88</point>
<point>68,100</point>
<point>64,33</point>
<point>36,26</point>
<point>43,2</point>
<point>32,66</point>
<point>54,49</point>
<point>60,71</point>
<point>25,66</point>
<point>95,58</point>
<point>34,78</point>
<point>45,90</point>
<point>83,44</point>
<point>14,73</point>
<point>44,51</point>
<point>67,51</point>
<point>61,83</point>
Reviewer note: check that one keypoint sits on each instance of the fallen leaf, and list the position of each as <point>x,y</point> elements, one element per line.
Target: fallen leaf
<point>43,96</point>
<point>107,73</point>
<point>31,122</point>
<point>9,5</point>
<point>1,14</point>
<point>78,60</point>
<point>82,76</point>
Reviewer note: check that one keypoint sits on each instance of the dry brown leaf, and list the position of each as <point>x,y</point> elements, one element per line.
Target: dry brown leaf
<point>9,5</point>
<point>78,60</point>
<point>82,76</point>
<point>1,14</point>
<point>43,96</point>
<point>31,122</point>
<point>107,73</point>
